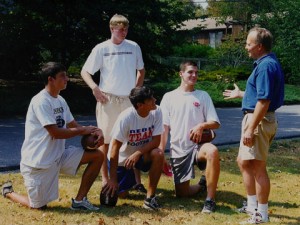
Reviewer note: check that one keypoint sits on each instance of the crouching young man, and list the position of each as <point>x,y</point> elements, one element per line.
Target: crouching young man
<point>43,156</point>
<point>135,140</point>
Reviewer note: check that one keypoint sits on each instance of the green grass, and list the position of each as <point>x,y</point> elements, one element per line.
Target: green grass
<point>284,202</point>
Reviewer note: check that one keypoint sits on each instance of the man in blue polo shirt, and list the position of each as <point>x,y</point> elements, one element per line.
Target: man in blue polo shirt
<point>263,95</point>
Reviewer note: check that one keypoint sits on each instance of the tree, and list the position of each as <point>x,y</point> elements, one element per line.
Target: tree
<point>41,30</point>
<point>278,16</point>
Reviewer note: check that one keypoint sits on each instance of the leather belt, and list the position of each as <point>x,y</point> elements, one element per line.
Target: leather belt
<point>248,111</point>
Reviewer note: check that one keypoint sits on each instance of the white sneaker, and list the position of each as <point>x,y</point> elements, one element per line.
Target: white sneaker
<point>83,205</point>
<point>256,218</point>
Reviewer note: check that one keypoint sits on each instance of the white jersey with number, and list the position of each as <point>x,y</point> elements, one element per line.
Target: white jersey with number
<point>135,131</point>
<point>181,112</point>
<point>118,65</point>
<point>39,149</point>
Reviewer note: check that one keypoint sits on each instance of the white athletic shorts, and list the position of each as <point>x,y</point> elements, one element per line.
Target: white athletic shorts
<point>108,113</point>
<point>42,184</point>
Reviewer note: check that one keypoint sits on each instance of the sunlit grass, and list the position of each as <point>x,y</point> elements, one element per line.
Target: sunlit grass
<point>283,167</point>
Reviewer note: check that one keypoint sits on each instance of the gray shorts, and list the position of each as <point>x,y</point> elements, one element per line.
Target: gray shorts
<point>42,184</point>
<point>183,168</point>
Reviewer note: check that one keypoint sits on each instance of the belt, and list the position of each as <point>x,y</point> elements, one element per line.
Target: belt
<point>248,111</point>
<point>252,111</point>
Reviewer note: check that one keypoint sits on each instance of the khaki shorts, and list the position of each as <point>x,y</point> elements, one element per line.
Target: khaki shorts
<point>263,136</point>
<point>42,184</point>
<point>108,113</point>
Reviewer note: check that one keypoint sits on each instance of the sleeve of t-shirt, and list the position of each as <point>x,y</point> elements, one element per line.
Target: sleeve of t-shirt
<point>158,125</point>
<point>165,110</point>
<point>94,61</point>
<point>140,62</point>
<point>44,114</point>
<point>69,116</point>
<point>264,82</point>
<point>211,114</point>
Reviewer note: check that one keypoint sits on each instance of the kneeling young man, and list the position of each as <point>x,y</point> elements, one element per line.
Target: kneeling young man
<point>43,156</point>
<point>186,113</point>
<point>135,139</point>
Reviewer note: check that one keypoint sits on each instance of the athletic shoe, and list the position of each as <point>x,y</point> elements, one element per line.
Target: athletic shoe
<point>244,209</point>
<point>7,188</point>
<point>151,204</point>
<point>256,218</point>
<point>209,206</point>
<point>83,205</point>
<point>140,188</point>
<point>202,183</point>
<point>167,170</point>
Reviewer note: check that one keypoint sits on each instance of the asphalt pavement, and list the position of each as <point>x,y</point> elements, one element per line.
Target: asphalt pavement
<point>12,131</point>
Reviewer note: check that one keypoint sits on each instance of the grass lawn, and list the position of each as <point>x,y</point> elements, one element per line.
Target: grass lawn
<point>283,167</point>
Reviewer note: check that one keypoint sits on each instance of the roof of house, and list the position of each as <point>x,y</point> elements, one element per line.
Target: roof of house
<point>208,23</point>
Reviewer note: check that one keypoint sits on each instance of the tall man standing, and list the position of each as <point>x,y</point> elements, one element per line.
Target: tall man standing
<point>122,68</point>
<point>263,95</point>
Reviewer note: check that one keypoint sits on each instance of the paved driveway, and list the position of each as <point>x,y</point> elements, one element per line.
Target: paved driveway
<point>12,131</point>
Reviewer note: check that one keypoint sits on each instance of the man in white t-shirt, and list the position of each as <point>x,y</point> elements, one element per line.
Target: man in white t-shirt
<point>44,156</point>
<point>186,113</point>
<point>121,68</point>
<point>135,139</point>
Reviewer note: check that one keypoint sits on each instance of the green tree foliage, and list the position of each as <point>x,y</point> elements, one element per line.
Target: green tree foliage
<point>36,31</point>
<point>284,24</point>
<point>279,16</point>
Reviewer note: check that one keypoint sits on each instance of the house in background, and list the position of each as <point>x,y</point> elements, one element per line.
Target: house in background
<point>210,32</point>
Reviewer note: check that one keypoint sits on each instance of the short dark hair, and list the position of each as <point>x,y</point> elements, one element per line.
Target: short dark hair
<point>187,63</point>
<point>264,37</point>
<point>51,69</point>
<point>139,95</point>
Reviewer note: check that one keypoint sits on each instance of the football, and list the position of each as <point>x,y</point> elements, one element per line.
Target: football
<point>207,136</point>
<point>108,200</point>
<point>88,142</point>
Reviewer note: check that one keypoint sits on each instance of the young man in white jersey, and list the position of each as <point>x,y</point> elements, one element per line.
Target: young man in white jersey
<point>43,155</point>
<point>135,139</point>
<point>122,68</point>
<point>186,113</point>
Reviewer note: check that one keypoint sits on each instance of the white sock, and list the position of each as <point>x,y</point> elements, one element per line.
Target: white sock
<point>263,210</point>
<point>251,203</point>
<point>77,201</point>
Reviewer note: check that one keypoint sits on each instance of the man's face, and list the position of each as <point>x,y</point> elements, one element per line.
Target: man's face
<point>253,49</point>
<point>60,81</point>
<point>119,33</point>
<point>190,75</point>
<point>149,104</point>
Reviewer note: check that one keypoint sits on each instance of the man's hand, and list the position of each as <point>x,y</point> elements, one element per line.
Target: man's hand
<point>196,134</point>
<point>131,160</point>
<point>111,187</point>
<point>231,94</point>
<point>248,138</point>
<point>100,97</point>
<point>100,140</point>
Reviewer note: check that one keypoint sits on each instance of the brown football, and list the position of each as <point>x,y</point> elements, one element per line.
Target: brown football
<point>207,136</point>
<point>108,200</point>
<point>88,142</point>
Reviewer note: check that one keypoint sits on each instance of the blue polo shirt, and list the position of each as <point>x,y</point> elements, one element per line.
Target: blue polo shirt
<point>265,82</point>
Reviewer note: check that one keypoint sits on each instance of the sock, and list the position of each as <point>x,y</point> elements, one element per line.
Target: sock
<point>77,201</point>
<point>263,210</point>
<point>251,203</point>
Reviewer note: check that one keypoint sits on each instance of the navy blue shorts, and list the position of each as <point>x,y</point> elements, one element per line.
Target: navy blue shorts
<point>126,178</point>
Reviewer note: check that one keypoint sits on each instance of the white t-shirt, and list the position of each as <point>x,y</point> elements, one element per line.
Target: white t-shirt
<point>118,65</point>
<point>134,131</point>
<point>39,149</point>
<point>181,112</point>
